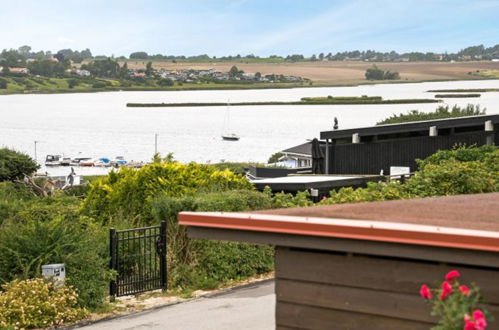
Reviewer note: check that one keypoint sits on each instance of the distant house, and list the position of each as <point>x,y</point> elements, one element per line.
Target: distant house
<point>82,73</point>
<point>138,74</point>
<point>299,156</point>
<point>18,71</point>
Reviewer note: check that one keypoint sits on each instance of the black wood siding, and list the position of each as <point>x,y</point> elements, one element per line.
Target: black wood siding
<point>372,157</point>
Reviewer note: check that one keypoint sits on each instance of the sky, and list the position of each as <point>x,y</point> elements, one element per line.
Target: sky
<point>260,27</point>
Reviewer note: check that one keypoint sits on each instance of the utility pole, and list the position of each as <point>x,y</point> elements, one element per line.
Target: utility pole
<point>156,143</point>
<point>36,158</point>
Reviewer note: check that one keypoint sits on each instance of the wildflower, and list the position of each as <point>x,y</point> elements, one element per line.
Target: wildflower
<point>452,275</point>
<point>425,292</point>
<point>446,290</point>
<point>464,290</point>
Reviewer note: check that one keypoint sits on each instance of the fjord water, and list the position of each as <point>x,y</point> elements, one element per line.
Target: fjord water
<point>100,124</point>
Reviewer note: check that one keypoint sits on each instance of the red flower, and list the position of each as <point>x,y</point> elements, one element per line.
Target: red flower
<point>464,290</point>
<point>480,321</point>
<point>468,325</point>
<point>425,292</point>
<point>452,275</point>
<point>446,290</point>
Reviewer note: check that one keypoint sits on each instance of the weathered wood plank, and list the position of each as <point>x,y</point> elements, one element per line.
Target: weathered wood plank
<point>316,318</point>
<point>358,300</point>
<point>377,272</point>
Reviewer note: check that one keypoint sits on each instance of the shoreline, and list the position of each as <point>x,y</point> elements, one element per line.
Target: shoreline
<point>193,87</point>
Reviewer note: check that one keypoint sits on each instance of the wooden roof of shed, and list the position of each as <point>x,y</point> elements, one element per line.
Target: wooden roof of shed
<point>465,222</point>
<point>477,211</point>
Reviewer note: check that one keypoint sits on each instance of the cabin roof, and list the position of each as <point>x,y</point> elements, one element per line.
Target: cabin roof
<point>301,149</point>
<point>410,126</point>
<point>465,221</point>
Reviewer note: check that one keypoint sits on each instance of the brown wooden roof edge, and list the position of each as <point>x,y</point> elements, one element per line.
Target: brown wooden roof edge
<point>382,231</point>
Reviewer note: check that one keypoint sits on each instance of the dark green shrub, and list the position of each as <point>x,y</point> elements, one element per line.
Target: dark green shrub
<point>439,113</point>
<point>165,82</point>
<point>14,165</point>
<point>99,84</point>
<point>204,264</point>
<point>47,233</point>
<point>3,83</point>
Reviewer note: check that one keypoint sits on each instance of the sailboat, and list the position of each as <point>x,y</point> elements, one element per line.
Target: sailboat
<point>226,134</point>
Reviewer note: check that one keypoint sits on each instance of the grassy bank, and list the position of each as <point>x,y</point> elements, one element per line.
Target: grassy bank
<point>440,96</point>
<point>303,101</point>
<point>45,85</point>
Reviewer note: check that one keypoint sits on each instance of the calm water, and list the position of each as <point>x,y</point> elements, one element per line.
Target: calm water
<point>100,125</point>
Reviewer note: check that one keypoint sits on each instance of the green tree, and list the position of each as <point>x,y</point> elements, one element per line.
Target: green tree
<point>139,55</point>
<point>149,70</point>
<point>234,72</point>
<point>374,73</point>
<point>14,165</point>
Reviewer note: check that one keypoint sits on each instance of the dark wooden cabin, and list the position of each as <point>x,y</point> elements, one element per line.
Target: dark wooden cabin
<point>372,149</point>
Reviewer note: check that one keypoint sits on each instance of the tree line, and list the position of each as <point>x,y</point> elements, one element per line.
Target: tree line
<point>18,57</point>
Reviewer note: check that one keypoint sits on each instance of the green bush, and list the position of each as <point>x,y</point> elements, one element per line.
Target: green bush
<point>37,303</point>
<point>447,172</point>
<point>47,232</point>
<point>13,165</point>
<point>99,84</point>
<point>204,264</point>
<point>13,197</point>
<point>3,83</point>
<point>284,200</point>
<point>129,192</point>
<point>440,113</point>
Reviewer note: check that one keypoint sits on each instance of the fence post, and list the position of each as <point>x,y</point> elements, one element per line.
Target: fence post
<point>163,269</point>
<point>112,262</point>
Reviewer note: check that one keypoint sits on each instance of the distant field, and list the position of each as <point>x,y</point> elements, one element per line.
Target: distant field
<point>342,73</point>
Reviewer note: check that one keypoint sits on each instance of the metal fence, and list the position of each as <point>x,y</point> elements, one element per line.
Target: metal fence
<point>139,258</point>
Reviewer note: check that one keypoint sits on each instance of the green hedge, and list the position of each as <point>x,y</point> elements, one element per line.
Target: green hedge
<point>204,264</point>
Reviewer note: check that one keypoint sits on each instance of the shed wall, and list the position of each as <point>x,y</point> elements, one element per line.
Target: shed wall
<point>328,290</point>
<point>371,157</point>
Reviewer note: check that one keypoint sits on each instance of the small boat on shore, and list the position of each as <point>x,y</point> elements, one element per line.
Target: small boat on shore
<point>78,161</point>
<point>118,161</point>
<point>102,162</point>
<point>53,160</point>
<point>66,161</point>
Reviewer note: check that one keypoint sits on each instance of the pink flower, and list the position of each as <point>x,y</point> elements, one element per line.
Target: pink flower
<point>452,275</point>
<point>446,290</point>
<point>480,321</point>
<point>478,314</point>
<point>425,292</point>
<point>464,290</point>
<point>468,325</point>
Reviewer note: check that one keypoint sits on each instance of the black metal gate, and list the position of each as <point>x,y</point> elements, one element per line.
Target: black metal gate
<point>139,257</point>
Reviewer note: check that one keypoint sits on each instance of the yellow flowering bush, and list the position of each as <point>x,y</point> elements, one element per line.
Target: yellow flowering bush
<point>37,303</point>
<point>128,193</point>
